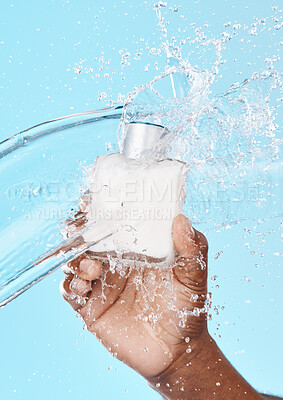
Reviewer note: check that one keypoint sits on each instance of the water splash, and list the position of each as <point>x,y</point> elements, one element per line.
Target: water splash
<point>225,139</point>
<point>229,140</point>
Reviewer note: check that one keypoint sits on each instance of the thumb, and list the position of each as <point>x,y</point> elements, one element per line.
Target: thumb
<point>191,247</point>
<point>187,240</point>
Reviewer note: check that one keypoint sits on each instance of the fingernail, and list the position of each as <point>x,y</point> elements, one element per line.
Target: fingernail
<point>86,266</point>
<point>80,285</point>
<point>73,284</point>
<point>189,229</point>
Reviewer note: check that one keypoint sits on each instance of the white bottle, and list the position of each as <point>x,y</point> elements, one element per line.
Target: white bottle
<point>136,194</point>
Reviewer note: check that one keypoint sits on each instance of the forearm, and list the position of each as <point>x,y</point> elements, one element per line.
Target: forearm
<point>207,374</point>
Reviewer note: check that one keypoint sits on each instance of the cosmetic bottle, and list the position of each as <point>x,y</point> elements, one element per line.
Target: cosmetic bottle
<point>137,193</point>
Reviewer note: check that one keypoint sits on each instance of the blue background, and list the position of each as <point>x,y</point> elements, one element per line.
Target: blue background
<point>43,45</point>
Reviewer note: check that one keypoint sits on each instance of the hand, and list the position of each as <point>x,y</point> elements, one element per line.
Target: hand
<point>146,317</point>
<point>155,320</point>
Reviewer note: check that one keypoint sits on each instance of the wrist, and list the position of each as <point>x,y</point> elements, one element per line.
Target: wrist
<point>176,382</point>
<point>203,374</point>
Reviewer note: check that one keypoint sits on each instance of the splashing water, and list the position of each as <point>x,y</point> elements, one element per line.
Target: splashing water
<point>229,144</point>
<point>228,141</point>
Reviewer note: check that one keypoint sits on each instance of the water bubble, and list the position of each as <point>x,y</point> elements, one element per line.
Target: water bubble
<point>182,324</point>
<point>253,31</point>
<point>78,69</point>
<point>216,310</point>
<point>160,4</point>
<point>108,146</point>
<point>217,255</point>
<point>102,95</point>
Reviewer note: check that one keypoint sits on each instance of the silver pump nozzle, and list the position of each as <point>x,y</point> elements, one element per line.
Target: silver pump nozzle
<point>141,138</point>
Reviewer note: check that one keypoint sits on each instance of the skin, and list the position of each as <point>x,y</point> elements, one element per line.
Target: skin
<point>133,314</point>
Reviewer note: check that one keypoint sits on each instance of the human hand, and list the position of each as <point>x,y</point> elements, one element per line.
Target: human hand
<point>154,320</point>
<point>146,317</point>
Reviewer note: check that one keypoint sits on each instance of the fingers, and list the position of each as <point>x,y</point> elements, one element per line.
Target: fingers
<point>78,282</point>
<point>192,249</point>
<point>87,294</point>
<point>85,268</point>
<point>84,202</point>
<point>187,240</point>
<point>77,222</point>
<point>103,295</point>
<point>73,225</point>
<point>74,289</point>
<point>67,270</point>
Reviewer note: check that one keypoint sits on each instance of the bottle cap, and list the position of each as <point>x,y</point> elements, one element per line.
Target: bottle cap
<point>141,138</point>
